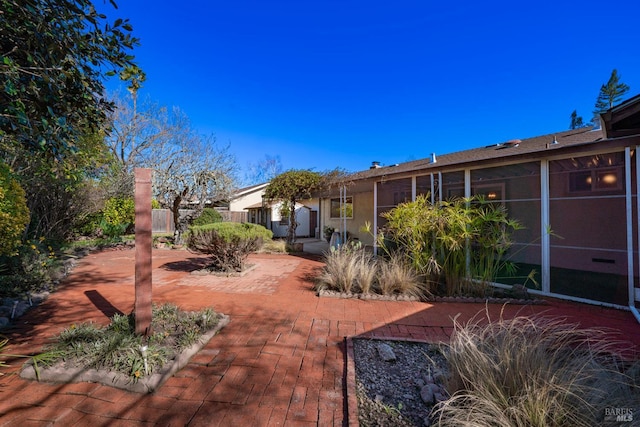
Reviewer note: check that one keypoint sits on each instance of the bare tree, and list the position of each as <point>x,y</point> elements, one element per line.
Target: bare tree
<point>135,130</point>
<point>263,170</point>
<point>190,170</point>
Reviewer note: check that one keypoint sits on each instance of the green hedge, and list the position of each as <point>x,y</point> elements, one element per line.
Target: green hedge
<point>208,216</point>
<point>232,230</point>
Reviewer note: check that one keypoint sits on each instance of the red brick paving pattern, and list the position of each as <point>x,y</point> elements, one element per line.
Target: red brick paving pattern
<point>279,362</point>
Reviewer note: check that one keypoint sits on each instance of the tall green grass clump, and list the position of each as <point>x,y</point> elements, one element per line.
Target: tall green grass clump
<point>534,372</point>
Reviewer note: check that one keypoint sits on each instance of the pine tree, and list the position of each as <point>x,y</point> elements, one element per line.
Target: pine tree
<point>610,93</point>
<point>576,120</point>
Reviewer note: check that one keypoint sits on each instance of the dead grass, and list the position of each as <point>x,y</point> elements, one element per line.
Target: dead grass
<point>354,270</point>
<point>395,276</point>
<point>535,372</point>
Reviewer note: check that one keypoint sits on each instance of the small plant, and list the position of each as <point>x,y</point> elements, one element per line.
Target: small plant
<point>341,270</point>
<point>43,358</point>
<point>274,246</point>
<point>390,409</point>
<point>328,232</point>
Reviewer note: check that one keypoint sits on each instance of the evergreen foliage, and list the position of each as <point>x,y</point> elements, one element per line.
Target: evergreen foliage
<point>54,56</point>
<point>610,94</point>
<point>576,120</point>
<point>208,216</point>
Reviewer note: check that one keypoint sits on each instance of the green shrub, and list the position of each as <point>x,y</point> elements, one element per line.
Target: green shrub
<point>534,372</point>
<point>462,241</point>
<point>14,214</point>
<point>208,216</point>
<point>228,244</point>
<point>33,266</point>
<point>119,214</point>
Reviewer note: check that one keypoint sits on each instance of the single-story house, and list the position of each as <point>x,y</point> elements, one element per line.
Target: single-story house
<point>250,201</point>
<point>582,184</point>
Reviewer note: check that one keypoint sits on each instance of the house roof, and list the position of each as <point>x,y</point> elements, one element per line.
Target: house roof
<point>624,119</point>
<point>247,190</point>
<point>503,151</point>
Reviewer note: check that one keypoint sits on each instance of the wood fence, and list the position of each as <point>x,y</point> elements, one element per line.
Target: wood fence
<point>162,219</point>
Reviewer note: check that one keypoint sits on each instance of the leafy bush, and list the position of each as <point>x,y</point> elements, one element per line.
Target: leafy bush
<point>534,372</point>
<point>437,239</point>
<point>208,216</point>
<point>228,244</point>
<point>119,214</point>
<point>33,266</point>
<point>14,214</point>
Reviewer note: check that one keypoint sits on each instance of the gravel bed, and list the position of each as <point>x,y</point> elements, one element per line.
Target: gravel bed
<point>398,382</point>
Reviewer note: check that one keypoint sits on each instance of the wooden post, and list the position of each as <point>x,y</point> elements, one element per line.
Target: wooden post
<point>142,305</point>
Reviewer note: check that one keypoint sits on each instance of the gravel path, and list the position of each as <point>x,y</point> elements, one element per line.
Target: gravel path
<point>398,382</point>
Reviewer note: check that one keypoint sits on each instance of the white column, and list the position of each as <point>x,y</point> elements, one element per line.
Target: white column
<point>375,218</point>
<point>413,188</point>
<point>544,227</point>
<point>629,209</point>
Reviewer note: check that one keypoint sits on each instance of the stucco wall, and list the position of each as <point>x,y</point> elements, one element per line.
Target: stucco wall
<point>362,212</point>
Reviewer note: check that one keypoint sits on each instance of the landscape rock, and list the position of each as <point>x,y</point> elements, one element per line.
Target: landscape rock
<point>426,394</point>
<point>386,352</point>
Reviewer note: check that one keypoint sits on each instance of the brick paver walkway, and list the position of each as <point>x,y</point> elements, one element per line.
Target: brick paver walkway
<point>281,360</point>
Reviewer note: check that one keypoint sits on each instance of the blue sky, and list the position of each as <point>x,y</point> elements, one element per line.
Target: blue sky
<point>326,84</point>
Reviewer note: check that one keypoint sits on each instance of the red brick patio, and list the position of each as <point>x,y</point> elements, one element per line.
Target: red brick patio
<point>279,362</point>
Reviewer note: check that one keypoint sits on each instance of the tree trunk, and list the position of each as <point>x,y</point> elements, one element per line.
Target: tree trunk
<point>291,232</point>
<point>177,231</point>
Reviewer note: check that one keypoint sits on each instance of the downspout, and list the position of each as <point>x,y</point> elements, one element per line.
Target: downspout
<point>627,176</point>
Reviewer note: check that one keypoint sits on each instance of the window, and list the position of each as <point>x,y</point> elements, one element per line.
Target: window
<point>348,208</point>
<point>595,180</point>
